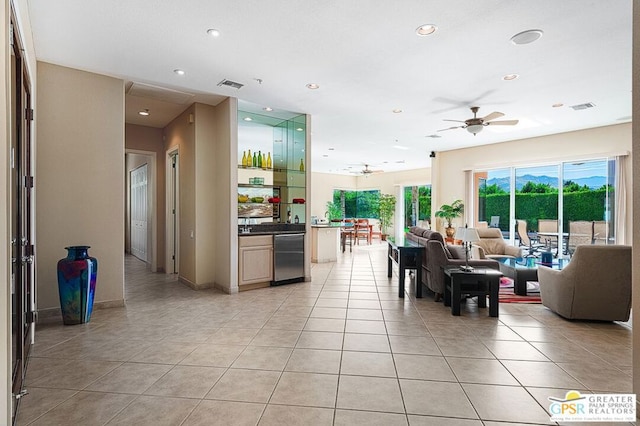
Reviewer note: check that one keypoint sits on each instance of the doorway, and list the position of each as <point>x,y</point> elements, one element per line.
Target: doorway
<point>23,313</point>
<point>138,212</point>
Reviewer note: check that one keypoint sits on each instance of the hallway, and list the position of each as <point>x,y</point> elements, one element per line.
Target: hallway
<point>342,350</point>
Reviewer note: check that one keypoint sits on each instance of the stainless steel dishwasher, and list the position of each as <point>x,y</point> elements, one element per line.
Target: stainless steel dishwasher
<point>288,258</point>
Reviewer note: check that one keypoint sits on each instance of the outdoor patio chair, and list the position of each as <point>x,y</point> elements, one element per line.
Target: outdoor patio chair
<point>533,246</point>
<point>600,232</point>
<point>495,222</point>
<point>580,233</point>
<point>548,225</point>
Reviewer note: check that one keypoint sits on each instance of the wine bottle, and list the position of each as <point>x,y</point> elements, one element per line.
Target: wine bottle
<point>301,165</point>
<point>254,162</point>
<point>269,160</point>
<point>249,158</point>
<point>264,161</point>
<point>244,158</point>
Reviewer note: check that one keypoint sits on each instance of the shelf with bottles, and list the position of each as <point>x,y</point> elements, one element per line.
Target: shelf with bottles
<point>258,160</point>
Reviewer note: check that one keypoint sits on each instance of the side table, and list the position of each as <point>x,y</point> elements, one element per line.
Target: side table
<point>478,282</point>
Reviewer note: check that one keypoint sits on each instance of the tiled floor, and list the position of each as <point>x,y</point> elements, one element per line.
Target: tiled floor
<point>342,350</point>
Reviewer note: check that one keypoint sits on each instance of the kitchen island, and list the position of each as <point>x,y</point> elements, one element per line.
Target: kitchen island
<point>325,241</point>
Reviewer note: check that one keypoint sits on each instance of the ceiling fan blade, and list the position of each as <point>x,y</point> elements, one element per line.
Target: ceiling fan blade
<point>502,123</point>
<point>451,128</point>
<point>493,116</point>
<point>457,121</point>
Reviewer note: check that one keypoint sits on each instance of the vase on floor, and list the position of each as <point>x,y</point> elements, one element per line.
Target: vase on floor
<point>77,284</point>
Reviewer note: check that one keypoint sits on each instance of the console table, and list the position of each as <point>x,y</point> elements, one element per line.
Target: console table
<point>408,255</point>
<point>478,282</point>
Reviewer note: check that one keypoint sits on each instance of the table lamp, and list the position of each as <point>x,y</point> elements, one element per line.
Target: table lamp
<point>468,236</point>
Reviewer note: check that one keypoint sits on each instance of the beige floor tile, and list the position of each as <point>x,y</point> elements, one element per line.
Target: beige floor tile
<point>423,367</point>
<point>599,377</point>
<point>366,342</point>
<point>165,353</point>
<point>237,336</point>
<point>415,420</point>
<point>279,415</point>
<point>369,393</point>
<point>398,328</point>
<point>445,399</point>
<point>314,361</point>
<point>39,367</point>
<point>40,400</point>
<point>329,294</point>
<point>367,364</point>
<point>364,314</point>
<point>337,313</point>
<point>307,389</point>
<point>263,358</point>
<point>362,295</point>
<point>155,411</point>
<point>119,350</point>
<point>367,327</point>
<point>535,373</point>
<point>537,334</point>
<point>245,386</point>
<point>490,403</point>
<point>76,375</point>
<point>85,408</point>
<point>283,322</point>
<point>186,382</point>
<point>478,370</point>
<point>503,349</point>
<point>130,378</point>
<point>463,347</point>
<point>369,418</point>
<point>331,303</point>
<point>212,355</point>
<point>414,345</point>
<point>320,340</point>
<point>278,338</point>
<point>325,324</point>
<point>227,413</point>
<point>293,310</point>
<point>363,304</point>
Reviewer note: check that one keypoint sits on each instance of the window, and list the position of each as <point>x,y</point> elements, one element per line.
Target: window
<point>363,204</point>
<point>417,205</point>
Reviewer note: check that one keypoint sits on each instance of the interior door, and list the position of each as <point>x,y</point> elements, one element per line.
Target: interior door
<point>22,248</point>
<point>138,212</point>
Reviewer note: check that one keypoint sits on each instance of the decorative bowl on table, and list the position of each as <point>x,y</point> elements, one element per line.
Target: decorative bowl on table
<point>273,200</point>
<point>243,198</point>
<point>257,199</point>
<point>298,201</point>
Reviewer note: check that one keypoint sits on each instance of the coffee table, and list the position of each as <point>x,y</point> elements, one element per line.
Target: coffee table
<point>480,281</point>
<point>521,270</point>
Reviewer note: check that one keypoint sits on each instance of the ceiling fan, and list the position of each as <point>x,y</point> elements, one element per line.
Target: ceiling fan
<point>474,125</point>
<point>367,171</point>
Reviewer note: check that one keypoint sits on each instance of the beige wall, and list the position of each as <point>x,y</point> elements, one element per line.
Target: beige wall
<point>448,170</point>
<point>150,139</point>
<point>80,177</point>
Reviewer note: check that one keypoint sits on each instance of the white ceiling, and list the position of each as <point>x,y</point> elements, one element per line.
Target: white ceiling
<point>367,59</point>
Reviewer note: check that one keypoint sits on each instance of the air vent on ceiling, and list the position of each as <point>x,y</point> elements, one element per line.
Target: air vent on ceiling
<point>230,83</point>
<point>434,136</point>
<point>582,106</point>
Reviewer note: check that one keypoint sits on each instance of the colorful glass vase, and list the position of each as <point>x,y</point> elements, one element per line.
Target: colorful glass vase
<point>77,284</point>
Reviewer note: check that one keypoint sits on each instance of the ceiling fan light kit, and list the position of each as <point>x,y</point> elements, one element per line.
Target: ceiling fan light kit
<point>474,125</point>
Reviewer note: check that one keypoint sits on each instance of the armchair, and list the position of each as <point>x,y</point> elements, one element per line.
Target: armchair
<point>493,245</point>
<point>595,285</point>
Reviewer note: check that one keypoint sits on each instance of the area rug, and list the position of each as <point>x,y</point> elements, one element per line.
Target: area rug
<point>506,294</point>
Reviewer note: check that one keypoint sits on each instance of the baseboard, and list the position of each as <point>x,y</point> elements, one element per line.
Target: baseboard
<point>48,313</point>
<point>233,290</point>
<point>193,285</point>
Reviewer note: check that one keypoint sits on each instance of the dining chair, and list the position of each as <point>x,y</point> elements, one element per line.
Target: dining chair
<point>495,222</point>
<point>580,233</point>
<point>363,230</point>
<point>600,232</point>
<point>551,226</point>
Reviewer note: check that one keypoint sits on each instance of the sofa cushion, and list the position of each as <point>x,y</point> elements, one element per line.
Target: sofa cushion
<point>433,235</point>
<point>457,252</point>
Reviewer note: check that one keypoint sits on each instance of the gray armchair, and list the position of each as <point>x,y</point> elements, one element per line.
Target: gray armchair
<point>492,245</point>
<point>595,285</point>
<point>439,255</point>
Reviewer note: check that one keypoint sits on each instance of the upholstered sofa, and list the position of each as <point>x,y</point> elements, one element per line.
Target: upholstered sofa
<point>595,285</point>
<point>437,255</point>
<point>492,245</point>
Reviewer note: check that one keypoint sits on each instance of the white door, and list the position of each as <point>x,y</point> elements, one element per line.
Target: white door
<point>138,212</point>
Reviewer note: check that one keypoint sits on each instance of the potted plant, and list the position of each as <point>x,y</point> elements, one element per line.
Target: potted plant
<point>449,212</point>
<point>334,211</point>
<point>387,206</point>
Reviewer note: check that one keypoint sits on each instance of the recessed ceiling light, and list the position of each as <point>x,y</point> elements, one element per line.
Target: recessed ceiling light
<point>325,155</point>
<point>144,112</point>
<point>404,148</point>
<point>526,37</point>
<point>179,71</point>
<point>433,136</point>
<point>248,119</point>
<point>267,109</point>
<point>312,86</point>
<point>331,149</point>
<point>510,77</point>
<point>213,32</point>
<point>426,29</point>
<point>558,105</point>
<point>397,111</point>
<point>299,129</point>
